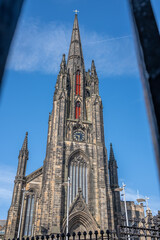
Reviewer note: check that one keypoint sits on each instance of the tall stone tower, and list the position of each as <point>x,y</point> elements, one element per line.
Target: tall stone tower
<point>75,150</point>
<point>15,208</point>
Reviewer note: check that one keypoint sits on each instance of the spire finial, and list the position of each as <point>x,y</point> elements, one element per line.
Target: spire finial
<point>93,68</point>
<point>63,57</point>
<point>76,11</point>
<point>24,148</point>
<point>111,157</point>
<point>25,143</point>
<point>93,65</point>
<point>63,64</point>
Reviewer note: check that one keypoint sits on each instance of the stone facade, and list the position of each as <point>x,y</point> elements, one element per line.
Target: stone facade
<point>134,211</point>
<point>2,229</point>
<point>75,149</point>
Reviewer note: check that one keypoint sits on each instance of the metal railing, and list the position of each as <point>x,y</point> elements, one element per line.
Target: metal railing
<point>80,236</point>
<point>139,232</point>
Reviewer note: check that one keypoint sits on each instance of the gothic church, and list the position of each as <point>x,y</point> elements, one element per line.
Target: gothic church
<point>75,150</point>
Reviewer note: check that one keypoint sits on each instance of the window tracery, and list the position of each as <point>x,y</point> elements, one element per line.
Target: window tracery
<point>78,178</point>
<point>28,226</point>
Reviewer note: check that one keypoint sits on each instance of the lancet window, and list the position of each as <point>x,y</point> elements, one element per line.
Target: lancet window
<point>28,226</point>
<point>78,110</point>
<point>78,178</point>
<point>78,83</point>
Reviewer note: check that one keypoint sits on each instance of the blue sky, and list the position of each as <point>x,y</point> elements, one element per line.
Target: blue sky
<point>42,36</point>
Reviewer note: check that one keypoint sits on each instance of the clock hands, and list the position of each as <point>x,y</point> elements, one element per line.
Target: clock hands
<point>78,136</point>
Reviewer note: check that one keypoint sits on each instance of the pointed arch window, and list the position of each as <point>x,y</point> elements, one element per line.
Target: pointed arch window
<point>78,178</point>
<point>78,110</point>
<point>28,226</point>
<point>78,83</point>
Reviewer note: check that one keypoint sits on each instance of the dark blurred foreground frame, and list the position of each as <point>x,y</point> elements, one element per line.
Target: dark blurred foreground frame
<point>9,13</point>
<point>147,41</point>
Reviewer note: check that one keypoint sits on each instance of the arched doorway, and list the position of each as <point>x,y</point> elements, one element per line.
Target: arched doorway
<point>79,222</point>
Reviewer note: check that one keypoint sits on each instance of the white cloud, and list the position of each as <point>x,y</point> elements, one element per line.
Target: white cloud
<point>39,47</point>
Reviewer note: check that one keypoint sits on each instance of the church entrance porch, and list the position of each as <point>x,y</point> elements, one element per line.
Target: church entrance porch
<point>80,222</point>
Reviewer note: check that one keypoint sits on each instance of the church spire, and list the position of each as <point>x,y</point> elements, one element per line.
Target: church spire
<point>19,183</point>
<point>113,169</point>
<point>114,184</point>
<point>75,55</point>
<point>111,156</point>
<point>23,157</point>
<point>24,148</point>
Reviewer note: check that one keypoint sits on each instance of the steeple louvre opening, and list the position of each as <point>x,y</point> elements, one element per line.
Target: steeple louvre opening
<point>78,110</point>
<point>78,83</point>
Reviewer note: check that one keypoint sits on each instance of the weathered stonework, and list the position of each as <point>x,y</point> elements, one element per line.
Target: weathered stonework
<point>64,149</point>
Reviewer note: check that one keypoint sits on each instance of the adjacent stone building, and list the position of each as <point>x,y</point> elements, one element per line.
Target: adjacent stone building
<point>135,212</point>
<point>75,150</point>
<point>2,229</point>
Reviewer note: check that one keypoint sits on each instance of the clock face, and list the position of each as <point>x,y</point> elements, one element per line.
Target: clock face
<point>78,136</point>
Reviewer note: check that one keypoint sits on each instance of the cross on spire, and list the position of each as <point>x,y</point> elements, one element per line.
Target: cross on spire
<point>76,11</point>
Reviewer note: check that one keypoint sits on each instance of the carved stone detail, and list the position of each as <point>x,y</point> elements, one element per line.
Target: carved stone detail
<point>79,125</point>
